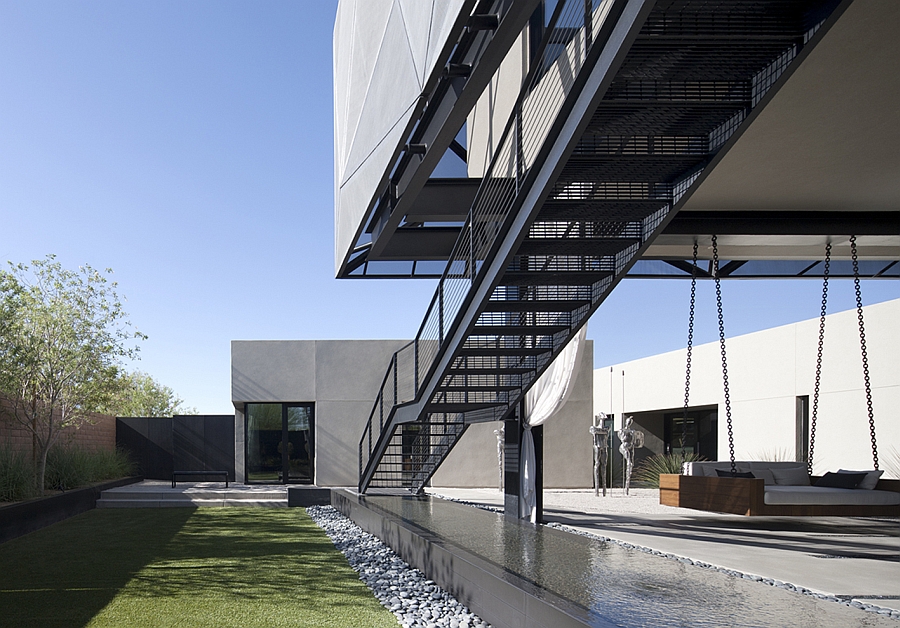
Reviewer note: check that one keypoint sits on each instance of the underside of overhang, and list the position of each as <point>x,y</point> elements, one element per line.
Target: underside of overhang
<point>823,149</point>
<point>818,163</point>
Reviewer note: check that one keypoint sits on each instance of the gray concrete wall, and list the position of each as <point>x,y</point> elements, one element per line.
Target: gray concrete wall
<point>341,377</point>
<point>568,453</point>
<point>348,376</point>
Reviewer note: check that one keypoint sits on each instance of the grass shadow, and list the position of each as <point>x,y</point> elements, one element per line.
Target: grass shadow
<point>64,574</point>
<point>213,567</point>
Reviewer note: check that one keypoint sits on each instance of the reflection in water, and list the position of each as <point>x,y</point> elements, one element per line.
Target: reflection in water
<point>626,587</point>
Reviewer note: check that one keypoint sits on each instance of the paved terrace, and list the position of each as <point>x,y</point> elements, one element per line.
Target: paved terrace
<point>842,556</point>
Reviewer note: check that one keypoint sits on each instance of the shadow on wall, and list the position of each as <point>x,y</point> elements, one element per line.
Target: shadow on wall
<point>161,445</point>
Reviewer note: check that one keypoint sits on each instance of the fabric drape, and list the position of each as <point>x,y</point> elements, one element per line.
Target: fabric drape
<point>548,395</point>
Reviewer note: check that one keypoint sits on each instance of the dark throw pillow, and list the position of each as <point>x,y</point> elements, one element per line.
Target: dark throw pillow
<point>722,473</point>
<point>840,480</point>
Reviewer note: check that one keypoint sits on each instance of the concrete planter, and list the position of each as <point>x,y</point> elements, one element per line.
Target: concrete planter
<point>24,517</point>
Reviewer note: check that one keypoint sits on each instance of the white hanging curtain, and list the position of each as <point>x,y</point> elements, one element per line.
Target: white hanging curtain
<point>545,399</point>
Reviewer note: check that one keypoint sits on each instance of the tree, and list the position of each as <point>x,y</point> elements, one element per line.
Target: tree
<point>139,394</point>
<point>63,335</point>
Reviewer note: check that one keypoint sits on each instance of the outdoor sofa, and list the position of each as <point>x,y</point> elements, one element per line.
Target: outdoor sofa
<point>776,489</point>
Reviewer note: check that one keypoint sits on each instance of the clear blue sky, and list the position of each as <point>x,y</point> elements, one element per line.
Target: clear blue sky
<point>188,146</point>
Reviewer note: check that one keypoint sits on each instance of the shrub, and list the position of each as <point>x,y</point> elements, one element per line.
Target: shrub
<point>69,466</point>
<point>647,472</point>
<point>16,475</point>
<point>892,462</point>
<point>776,454</point>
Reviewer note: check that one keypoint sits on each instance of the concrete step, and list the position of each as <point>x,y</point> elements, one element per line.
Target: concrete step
<point>193,494</point>
<point>191,503</point>
<point>154,494</point>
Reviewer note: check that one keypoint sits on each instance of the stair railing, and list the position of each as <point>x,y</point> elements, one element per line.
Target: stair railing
<point>571,32</point>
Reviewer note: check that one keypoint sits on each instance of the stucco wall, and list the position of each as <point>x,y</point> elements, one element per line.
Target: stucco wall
<point>568,453</point>
<point>341,377</point>
<point>767,371</point>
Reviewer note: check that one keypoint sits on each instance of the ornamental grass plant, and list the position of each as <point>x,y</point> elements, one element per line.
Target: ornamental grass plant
<point>647,472</point>
<point>16,475</point>
<point>68,466</point>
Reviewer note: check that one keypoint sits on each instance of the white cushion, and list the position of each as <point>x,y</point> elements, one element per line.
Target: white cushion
<point>791,476</point>
<point>818,495</point>
<point>869,482</point>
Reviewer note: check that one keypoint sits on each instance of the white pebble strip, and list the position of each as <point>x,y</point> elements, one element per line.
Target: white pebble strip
<point>416,601</point>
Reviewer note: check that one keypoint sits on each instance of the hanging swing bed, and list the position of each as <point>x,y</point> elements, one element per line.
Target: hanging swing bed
<point>757,488</point>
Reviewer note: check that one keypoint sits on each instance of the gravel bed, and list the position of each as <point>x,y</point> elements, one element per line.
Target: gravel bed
<point>416,601</point>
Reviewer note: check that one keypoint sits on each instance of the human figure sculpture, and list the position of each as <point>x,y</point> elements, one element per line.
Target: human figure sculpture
<point>601,453</point>
<point>631,439</point>
<point>499,434</point>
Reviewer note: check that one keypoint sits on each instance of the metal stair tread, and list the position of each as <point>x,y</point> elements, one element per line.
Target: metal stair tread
<point>517,330</point>
<point>535,305</point>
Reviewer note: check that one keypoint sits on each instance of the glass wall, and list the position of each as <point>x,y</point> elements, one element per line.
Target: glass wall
<point>280,445</point>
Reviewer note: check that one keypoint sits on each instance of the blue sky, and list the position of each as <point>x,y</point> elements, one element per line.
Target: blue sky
<point>188,146</point>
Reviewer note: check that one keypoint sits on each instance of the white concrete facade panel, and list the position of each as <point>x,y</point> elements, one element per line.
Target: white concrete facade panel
<point>384,53</point>
<point>768,370</point>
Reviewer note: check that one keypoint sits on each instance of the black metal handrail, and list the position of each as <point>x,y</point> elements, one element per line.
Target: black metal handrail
<point>534,113</point>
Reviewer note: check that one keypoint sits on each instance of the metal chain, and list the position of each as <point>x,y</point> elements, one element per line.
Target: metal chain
<point>718,280</point>
<point>690,347</point>
<point>815,403</point>
<point>862,346</point>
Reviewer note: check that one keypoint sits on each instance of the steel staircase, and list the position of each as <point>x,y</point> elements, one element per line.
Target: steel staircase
<point>627,103</point>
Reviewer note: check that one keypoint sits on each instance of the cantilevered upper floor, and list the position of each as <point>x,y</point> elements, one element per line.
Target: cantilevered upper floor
<point>424,89</point>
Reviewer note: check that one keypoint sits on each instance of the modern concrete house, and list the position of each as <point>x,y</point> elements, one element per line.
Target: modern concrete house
<point>530,155</point>
<point>772,386</point>
<point>301,407</point>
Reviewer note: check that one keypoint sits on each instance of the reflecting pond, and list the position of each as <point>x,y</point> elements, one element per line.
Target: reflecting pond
<point>620,586</point>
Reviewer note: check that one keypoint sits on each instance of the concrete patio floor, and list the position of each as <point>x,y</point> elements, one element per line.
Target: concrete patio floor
<point>843,556</point>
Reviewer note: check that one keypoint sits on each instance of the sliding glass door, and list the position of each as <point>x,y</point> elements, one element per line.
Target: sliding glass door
<point>280,443</point>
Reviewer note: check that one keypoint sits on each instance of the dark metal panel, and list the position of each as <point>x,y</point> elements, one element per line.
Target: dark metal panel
<point>219,443</point>
<point>188,438</point>
<point>148,441</point>
<point>785,223</point>
<point>421,243</point>
<point>444,200</point>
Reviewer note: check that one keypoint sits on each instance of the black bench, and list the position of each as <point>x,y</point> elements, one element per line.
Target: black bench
<point>175,474</point>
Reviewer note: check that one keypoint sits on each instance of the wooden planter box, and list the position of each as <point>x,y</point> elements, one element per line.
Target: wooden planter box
<point>744,496</point>
<point>24,517</point>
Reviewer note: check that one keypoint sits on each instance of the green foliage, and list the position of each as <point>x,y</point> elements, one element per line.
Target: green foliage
<point>16,475</point>
<point>63,334</point>
<point>138,394</point>
<point>265,416</point>
<point>69,466</point>
<point>647,472</point>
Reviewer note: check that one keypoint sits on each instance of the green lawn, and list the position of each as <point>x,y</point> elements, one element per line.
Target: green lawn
<point>213,567</point>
